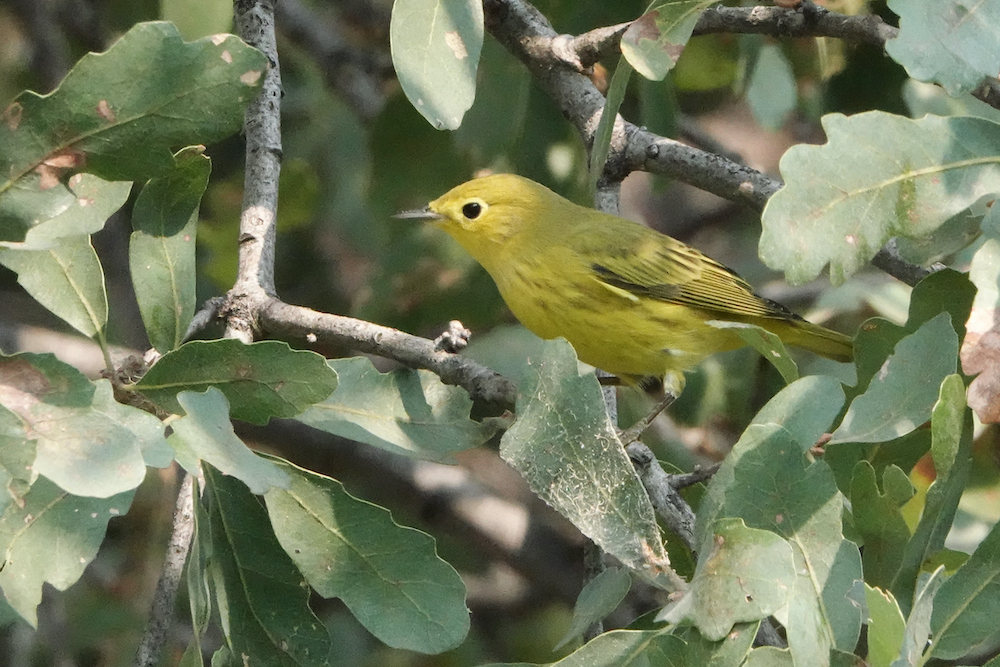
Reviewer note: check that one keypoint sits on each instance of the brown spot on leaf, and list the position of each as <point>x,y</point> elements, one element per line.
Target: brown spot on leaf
<point>12,115</point>
<point>227,57</point>
<point>251,78</point>
<point>105,112</point>
<point>644,27</point>
<point>456,44</point>
<point>51,170</point>
<point>21,385</point>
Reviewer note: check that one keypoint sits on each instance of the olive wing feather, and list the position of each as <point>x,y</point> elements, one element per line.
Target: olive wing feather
<point>658,267</point>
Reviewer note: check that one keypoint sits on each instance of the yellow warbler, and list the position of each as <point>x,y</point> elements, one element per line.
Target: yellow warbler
<point>631,301</point>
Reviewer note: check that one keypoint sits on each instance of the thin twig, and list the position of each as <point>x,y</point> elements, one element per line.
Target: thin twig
<point>162,610</point>
<point>888,259</point>
<point>636,430</point>
<point>310,326</point>
<point>696,476</point>
<point>669,504</point>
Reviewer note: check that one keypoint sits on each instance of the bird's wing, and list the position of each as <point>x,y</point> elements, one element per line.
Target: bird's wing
<point>655,266</point>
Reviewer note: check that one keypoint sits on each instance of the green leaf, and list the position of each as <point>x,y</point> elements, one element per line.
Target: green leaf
<point>952,235</point>
<point>407,411</point>
<point>772,91</point>
<point>638,648</point>
<point>17,452</point>
<point>223,658</point>
<point>947,425</point>
<point>50,538</point>
<point>205,433</point>
<point>900,398</point>
<point>878,176</point>
<point>950,42</point>
<point>918,622</point>
<point>605,126</point>
<point>196,576</point>
<point>568,451</point>
<point>83,451</point>
<point>732,650</point>
<point>765,481</point>
<point>965,605</point>
<point>67,279</point>
<point>655,40</point>
<point>951,447</point>
<point>435,50</point>
<point>886,627</point>
<point>942,291</point>
<point>628,648</point>
<point>878,520</point>
<point>161,249</point>
<point>118,115</point>
<point>769,656</point>
<point>261,380</point>
<point>389,576</point>
<point>147,431</point>
<point>94,201</point>
<point>805,408</point>
<point>597,599</point>
<point>192,656</point>
<point>85,442</point>
<point>263,601</point>
<point>744,574</point>
<point>768,344</point>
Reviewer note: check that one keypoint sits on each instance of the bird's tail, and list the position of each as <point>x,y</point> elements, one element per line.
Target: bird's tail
<point>817,339</point>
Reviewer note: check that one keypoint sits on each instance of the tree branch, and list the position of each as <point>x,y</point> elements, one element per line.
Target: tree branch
<point>314,327</point>
<point>166,589</point>
<point>779,22</point>
<point>583,51</point>
<point>667,502</point>
<point>889,260</point>
<point>525,33</point>
<point>262,127</point>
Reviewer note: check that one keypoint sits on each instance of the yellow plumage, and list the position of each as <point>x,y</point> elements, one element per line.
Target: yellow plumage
<point>630,300</point>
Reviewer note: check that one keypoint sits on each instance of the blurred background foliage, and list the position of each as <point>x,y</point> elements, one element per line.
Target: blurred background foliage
<point>355,151</point>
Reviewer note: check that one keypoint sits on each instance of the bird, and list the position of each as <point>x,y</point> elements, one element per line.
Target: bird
<point>633,302</point>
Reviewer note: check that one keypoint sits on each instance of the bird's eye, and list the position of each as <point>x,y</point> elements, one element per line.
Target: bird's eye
<point>472,210</point>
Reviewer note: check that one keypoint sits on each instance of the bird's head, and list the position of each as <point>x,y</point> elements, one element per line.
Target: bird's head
<point>487,213</point>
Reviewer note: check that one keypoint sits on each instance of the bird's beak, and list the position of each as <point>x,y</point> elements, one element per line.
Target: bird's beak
<point>424,213</point>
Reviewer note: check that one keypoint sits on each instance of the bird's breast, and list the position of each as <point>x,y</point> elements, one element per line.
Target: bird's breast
<point>611,329</point>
